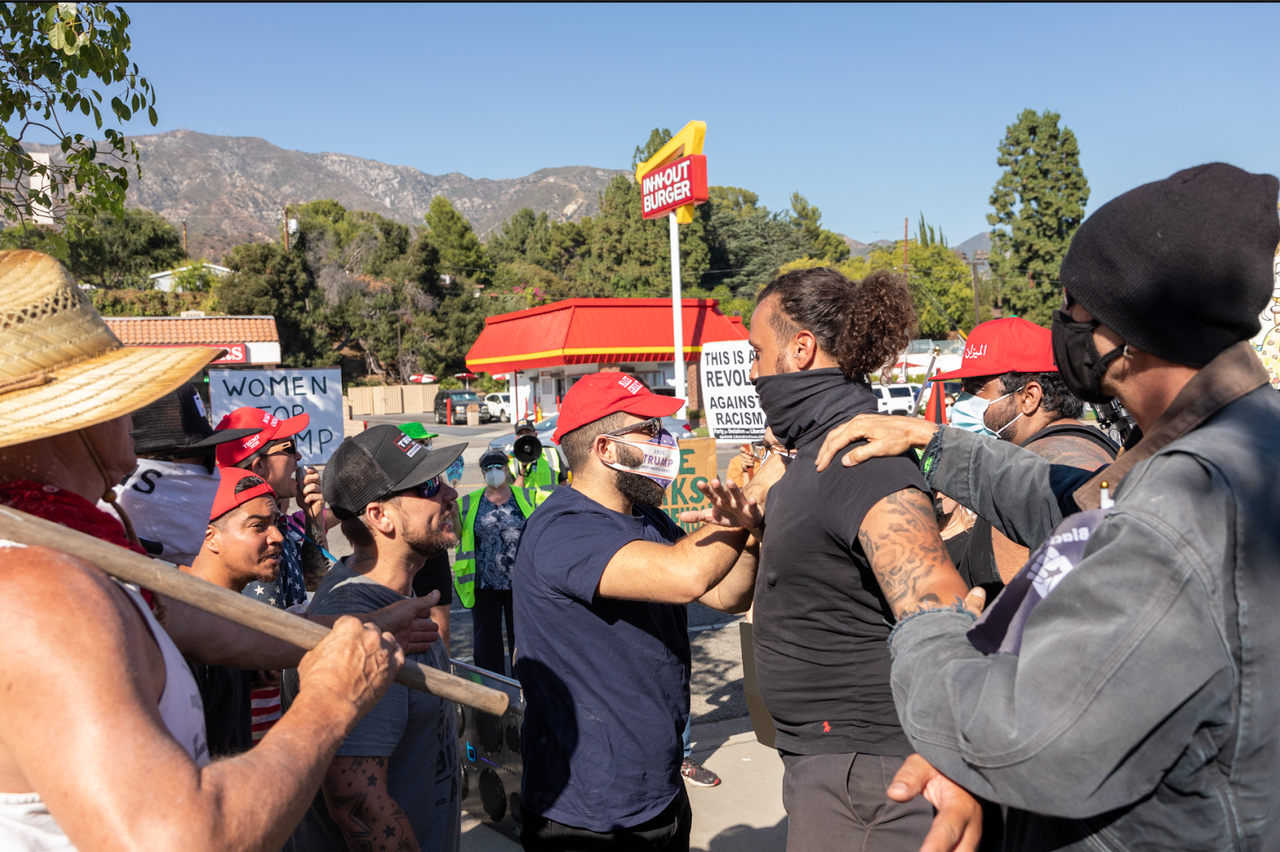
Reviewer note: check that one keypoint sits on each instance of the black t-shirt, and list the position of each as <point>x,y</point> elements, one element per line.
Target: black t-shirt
<point>606,682</point>
<point>435,573</point>
<point>821,622</point>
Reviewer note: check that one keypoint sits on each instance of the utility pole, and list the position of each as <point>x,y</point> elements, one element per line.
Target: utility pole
<point>677,315</point>
<point>979,256</point>
<point>184,235</point>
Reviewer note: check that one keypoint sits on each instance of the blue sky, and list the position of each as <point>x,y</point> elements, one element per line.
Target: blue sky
<point>875,113</point>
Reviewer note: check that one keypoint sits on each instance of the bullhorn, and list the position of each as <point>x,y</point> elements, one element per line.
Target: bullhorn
<point>527,449</point>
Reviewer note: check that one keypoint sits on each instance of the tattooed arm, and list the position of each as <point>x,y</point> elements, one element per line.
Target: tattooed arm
<point>900,538</point>
<point>355,789</point>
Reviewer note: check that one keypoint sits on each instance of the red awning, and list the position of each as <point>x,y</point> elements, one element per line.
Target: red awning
<point>597,331</point>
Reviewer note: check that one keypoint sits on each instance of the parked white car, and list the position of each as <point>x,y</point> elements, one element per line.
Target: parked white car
<point>500,404</point>
<point>894,399</point>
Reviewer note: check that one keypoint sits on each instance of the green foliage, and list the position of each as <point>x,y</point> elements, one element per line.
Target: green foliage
<point>48,53</point>
<point>461,253</point>
<point>147,303</point>
<point>195,278</point>
<point>630,255</point>
<point>925,235</point>
<point>657,138</point>
<point>734,199</point>
<point>1039,203</point>
<point>109,250</point>
<point>807,218</point>
<point>267,280</point>
<point>746,242</point>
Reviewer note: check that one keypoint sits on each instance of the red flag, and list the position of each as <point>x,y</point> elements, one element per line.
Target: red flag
<point>935,411</point>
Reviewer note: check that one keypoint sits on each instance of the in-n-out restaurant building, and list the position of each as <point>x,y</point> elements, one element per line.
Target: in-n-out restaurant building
<point>544,350</point>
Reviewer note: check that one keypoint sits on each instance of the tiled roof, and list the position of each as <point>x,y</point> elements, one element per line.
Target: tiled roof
<point>152,331</point>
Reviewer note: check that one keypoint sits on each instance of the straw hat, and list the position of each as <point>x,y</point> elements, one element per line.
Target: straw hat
<point>61,367</point>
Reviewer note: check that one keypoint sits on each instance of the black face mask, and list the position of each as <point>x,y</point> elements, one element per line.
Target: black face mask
<point>1079,363</point>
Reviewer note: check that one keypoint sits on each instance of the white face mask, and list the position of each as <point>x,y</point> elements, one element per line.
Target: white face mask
<point>494,478</point>
<point>661,458</point>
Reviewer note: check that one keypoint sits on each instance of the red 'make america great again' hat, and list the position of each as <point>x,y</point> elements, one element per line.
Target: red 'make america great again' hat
<point>235,488</point>
<point>601,394</point>
<point>1003,346</point>
<point>234,452</point>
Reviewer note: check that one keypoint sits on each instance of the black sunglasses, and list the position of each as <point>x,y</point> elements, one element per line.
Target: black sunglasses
<point>651,427</point>
<point>428,489</point>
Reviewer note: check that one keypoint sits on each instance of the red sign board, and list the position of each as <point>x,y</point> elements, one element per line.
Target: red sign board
<point>680,182</point>
<point>237,353</point>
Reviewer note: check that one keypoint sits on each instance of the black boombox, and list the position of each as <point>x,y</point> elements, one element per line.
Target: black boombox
<point>489,753</point>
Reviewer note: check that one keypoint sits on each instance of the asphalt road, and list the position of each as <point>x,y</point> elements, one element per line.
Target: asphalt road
<point>716,685</point>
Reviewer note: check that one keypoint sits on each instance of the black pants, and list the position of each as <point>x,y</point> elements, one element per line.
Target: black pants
<point>837,802</point>
<point>668,832</point>
<point>486,625</point>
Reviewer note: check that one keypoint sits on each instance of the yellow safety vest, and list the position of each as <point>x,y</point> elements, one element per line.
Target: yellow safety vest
<point>545,473</point>
<point>464,568</point>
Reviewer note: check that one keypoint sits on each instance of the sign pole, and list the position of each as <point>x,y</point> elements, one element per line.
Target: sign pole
<point>677,317</point>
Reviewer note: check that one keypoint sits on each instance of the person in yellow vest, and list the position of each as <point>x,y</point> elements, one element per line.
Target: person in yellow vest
<point>548,472</point>
<point>492,520</point>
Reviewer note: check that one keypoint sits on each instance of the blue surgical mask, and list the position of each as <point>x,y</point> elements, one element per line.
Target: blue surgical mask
<point>968,413</point>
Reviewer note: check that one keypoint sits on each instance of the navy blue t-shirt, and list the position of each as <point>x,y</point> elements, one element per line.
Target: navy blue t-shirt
<point>606,682</point>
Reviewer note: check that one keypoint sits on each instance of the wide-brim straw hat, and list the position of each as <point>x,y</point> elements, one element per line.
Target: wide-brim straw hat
<point>61,367</point>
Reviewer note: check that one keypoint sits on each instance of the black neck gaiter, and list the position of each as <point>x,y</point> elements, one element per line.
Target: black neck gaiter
<point>802,407</point>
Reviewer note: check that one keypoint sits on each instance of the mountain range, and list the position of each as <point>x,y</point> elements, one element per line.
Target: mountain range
<point>233,189</point>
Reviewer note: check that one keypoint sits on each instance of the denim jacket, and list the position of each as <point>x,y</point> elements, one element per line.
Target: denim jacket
<point>1142,710</point>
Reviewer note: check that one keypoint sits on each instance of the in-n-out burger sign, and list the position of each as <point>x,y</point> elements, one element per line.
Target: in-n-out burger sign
<point>237,353</point>
<point>681,182</point>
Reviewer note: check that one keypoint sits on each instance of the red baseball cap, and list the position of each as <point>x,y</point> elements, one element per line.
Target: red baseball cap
<point>236,488</point>
<point>601,394</point>
<point>234,452</point>
<point>1003,346</point>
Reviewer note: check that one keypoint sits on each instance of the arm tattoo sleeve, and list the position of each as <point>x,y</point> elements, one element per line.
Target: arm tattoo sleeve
<point>355,790</point>
<point>900,539</point>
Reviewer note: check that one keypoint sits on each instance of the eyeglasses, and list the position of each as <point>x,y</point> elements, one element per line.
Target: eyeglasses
<point>290,447</point>
<point>651,427</point>
<point>759,450</point>
<point>430,488</point>
<point>493,466</point>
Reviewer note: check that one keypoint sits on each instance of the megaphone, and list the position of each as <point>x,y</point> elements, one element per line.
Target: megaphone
<point>527,449</point>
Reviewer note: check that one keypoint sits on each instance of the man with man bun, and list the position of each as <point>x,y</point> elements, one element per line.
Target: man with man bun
<point>844,556</point>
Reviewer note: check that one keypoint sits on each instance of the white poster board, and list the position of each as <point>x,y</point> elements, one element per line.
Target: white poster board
<point>286,393</point>
<point>729,402</point>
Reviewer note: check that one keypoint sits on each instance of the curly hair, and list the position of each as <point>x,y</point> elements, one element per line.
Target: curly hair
<point>863,326</point>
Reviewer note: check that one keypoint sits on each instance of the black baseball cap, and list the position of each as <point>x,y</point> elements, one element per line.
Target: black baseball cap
<point>526,423</point>
<point>377,463</point>
<point>492,457</point>
<point>175,424</point>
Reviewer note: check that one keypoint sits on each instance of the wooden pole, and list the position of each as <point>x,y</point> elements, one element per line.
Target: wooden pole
<point>167,580</point>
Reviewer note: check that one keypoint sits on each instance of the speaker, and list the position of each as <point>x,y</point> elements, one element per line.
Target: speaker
<point>489,753</point>
<point>526,449</point>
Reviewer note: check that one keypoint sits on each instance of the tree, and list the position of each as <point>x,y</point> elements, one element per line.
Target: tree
<point>266,280</point>
<point>107,249</point>
<point>746,243</point>
<point>48,53</point>
<point>658,137</point>
<point>925,235</point>
<point>1039,203</point>
<point>807,218</point>
<point>460,250</point>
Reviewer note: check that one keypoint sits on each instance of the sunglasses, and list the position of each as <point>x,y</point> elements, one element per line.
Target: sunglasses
<point>430,488</point>
<point>494,466</point>
<point>651,427</point>
<point>290,447</point>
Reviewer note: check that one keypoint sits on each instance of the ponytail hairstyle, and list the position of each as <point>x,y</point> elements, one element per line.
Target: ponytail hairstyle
<point>864,327</point>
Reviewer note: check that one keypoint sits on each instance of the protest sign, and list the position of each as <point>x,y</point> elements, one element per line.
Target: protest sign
<point>286,393</point>
<point>697,464</point>
<point>729,402</point>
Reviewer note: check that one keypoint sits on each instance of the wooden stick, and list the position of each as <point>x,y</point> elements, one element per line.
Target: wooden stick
<point>168,581</point>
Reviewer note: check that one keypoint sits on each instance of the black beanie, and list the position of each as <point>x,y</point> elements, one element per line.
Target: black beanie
<point>1180,268</point>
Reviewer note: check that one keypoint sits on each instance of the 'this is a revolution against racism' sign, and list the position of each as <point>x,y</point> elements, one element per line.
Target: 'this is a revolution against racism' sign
<point>286,393</point>
<point>697,464</point>
<point>728,398</point>
<point>676,184</point>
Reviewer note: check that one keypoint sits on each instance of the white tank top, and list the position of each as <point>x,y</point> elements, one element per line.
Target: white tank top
<point>26,824</point>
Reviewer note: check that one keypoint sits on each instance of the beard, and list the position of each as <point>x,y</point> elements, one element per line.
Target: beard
<point>640,490</point>
<point>429,542</point>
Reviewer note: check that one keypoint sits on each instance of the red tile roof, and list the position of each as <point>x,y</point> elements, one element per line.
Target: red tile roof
<point>597,331</point>
<point>195,331</point>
